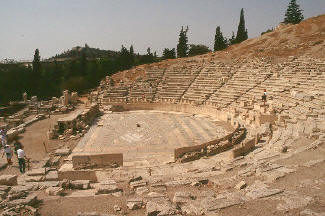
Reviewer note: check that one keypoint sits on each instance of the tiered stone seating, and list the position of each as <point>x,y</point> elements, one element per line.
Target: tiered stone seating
<point>144,91</point>
<point>244,79</point>
<point>293,88</point>
<point>141,92</point>
<point>210,79</point>
<point>176,81</point>
<point>115,94</point>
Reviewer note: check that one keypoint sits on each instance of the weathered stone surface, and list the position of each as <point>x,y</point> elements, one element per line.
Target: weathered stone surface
<point>136,184</point>
<point>56,160</point>
<point>62,152</point>
<point>260,190</point>
<point>52,176</point>
<point>107,189</point>
<point>34,178</point>
<point>241,185</point>
<point>161,207</point>
<point>46,184</point>
<point>92,214</point>
<point>116,208</point>
<point>36,172</point>
<point>292,200</point>
<point>178,182</point>
<point>141,190</point>
<point>5,188</point>
<point>135,203</point>
<point>182,197</point>
<point>309,212</point>
<point>54,191</point>
<point>80,184</point>
<point>30,200</point>
<point>191,209</point>
<point>155,195</point>
<point>8,180</point>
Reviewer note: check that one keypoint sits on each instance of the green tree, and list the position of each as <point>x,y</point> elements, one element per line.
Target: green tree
<point>242,34</point>
<point>220,42</point>
<point>36,77</point>
<point>132,55</point>
<point>37,62</point>
<point>182,46</point>
<point>198,49</point>
<point>169,53</point>
<point>267,31</point>
<point>294,13</point>
<point>83,63</point>
<point>232,39</point>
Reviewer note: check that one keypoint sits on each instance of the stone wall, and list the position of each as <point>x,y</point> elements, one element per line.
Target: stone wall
<point>244,148</point>
<point>186,154</point>
<point>184,108</point>
<point>91,161</point>
<point>75,123</point>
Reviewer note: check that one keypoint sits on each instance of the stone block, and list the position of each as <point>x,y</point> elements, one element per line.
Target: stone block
<point>62,152</point>
<point>96,160</point>
<point>134,204</point>
<point>36,172</point>
<point>8,180</point>
<point>67,172</point>
<point>241,185</point>
<point>52,176</point>
<point>107,189</point>
<point>54,191</point>
<point>182,197</point>
<point>80,184</point>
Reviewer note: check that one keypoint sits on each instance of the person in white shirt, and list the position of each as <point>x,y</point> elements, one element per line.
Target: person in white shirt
<point>8,152</point>
<point>21,159</point>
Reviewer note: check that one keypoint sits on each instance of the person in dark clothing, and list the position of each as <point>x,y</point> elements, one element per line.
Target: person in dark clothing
<point>17,145</point>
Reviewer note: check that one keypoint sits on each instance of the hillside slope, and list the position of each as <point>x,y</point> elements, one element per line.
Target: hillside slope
<point>306,38</point>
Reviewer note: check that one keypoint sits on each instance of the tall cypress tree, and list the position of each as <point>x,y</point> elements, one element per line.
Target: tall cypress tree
<point>182,46</point>
<point>294,13</point>
<point>220,42</point>
<point>37,62</point>
<point>37,74</point>
<point>132,55</point>
<point>242,31</point>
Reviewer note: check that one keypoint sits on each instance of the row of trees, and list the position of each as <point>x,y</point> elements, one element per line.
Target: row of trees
<point>293,15</point>
<point>220,42</point>
<point>80,73</point>
<point>86,66</point>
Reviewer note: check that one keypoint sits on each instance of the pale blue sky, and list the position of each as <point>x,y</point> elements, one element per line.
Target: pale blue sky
<point>57,25</point>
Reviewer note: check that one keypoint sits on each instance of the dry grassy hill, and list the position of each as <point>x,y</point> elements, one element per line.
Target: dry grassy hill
<point>306,38</point>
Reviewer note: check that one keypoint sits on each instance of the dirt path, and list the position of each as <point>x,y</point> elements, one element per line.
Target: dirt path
<point>36,144</point>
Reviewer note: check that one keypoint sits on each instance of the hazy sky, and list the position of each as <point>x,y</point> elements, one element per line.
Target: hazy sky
<point>57,25</point>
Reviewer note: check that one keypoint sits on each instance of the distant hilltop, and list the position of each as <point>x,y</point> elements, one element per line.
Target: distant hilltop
<point>90,52</point>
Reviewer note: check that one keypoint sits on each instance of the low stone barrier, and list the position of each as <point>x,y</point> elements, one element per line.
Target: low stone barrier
<point>245,148</point>
<point>91,161</point>
<point>190,153</point>
<point>67,172</point>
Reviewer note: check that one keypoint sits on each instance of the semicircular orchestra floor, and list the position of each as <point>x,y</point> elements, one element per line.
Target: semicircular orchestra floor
<point>148,137</point>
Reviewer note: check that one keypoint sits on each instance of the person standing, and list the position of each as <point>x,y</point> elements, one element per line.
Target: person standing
<point>7,150</point>
<point>17,145</point>
<point>264,96</point>
<point>21,159</point>
<point>3,137</point>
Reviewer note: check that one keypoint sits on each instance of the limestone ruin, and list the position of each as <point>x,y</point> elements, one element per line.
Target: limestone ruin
<point>188,136</point>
